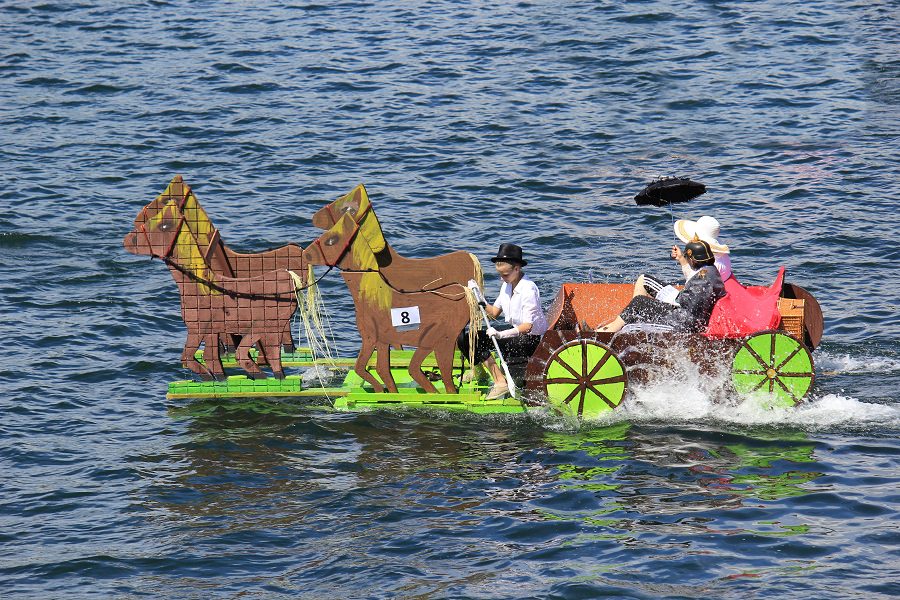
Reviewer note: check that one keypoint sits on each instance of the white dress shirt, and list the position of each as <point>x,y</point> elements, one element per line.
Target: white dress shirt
<point>522,305</point>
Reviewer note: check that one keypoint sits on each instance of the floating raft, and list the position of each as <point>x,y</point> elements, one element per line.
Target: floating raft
<point>354,393</point>
<point>241,386</point>
<point>302,357</point>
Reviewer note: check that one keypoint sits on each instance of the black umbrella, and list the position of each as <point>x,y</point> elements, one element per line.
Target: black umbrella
<point>669,190</point>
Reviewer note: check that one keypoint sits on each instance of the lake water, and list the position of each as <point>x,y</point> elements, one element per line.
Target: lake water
<point>470,123</point>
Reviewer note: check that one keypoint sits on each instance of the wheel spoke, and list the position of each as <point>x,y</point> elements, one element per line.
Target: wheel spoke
<point>617,379</point>
<point>571,395</point>
<point>563,380</point>
<point>790,356</point>
<point>599,365</point>
<point>602,396</point>
<point>582,346</point>
<point>558,359</point>
<point>785,388</point>
<point>758,358</point>
<point>759,385</point>
<point>772,339</point>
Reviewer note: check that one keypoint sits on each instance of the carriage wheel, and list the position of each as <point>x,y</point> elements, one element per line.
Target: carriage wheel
<point>582,376</point>
<point>775,363</point>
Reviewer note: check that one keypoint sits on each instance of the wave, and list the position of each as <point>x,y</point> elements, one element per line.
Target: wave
<point>691,402</point>
<point>831,363</point>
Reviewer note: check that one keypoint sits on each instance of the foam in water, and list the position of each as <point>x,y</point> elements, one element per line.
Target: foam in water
<point>846,364</point>
<point>688,397</point>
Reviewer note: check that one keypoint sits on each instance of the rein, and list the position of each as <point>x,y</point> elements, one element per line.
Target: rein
<point>278,297</point>
<point>357,226</point>
<point>167,258</point>
<point>395,288</point>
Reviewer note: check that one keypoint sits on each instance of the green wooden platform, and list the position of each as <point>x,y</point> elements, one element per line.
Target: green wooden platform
<point>302,357</point>
<point>241,386</point>
<point>354,393</point>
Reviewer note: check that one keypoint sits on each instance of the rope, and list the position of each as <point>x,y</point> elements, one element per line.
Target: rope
<point>311,314</point>
<point>314,324</point>
<point>213,285</point>
<point>475,322</point>
<point>278,297</point>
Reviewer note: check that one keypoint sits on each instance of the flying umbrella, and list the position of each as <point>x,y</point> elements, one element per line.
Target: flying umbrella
<point>669,190</point>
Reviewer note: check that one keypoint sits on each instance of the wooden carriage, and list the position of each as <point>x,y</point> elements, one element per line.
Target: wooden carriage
<point>588,374</point>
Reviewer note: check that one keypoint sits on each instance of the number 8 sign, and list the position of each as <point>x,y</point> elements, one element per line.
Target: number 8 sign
<point>405,319</point>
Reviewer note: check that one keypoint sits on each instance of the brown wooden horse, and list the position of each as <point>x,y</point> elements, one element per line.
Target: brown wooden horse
<point>259,308</point>
<point>400,310</point>
<point>223,260</point>
<point>436,273</point>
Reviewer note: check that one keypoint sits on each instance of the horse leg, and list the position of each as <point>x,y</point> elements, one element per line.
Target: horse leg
<point>188,360</point>
<point>362,360</point>
<point>212,357</point>
<point>383,367</point>
<point>243,357</point>
<point>287,340</point>
<point>415,369</point>
<point>443,354</point>
<point>261,358</point>
<point>270,345</point>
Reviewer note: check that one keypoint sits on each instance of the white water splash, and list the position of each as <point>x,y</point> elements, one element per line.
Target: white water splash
<point>695,399</point>
<point>830,363</point>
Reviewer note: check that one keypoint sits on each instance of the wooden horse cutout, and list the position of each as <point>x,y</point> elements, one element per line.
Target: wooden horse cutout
<point>436,273</point>
<point>223,260</point>
<point>258,308</point>
<point>381,303</point>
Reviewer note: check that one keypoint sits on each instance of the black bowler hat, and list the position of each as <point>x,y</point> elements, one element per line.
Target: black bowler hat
<point>510,253</point>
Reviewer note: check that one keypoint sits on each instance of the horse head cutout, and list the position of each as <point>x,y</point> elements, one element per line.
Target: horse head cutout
<point>161,231</point>
<point>357,205</point>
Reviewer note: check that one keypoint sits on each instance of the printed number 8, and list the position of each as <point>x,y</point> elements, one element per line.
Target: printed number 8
<point>404,317</point>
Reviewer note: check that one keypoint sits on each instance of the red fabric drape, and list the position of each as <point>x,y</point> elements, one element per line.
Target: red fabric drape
<point>745,310</point>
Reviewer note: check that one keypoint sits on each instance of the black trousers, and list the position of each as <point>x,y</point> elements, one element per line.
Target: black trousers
<point>515,349</point>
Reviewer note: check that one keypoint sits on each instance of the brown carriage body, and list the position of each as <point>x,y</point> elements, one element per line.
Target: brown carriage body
<point>652,356</point>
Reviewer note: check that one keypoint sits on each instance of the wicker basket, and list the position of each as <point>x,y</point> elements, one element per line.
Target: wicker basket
<point>791,310</point>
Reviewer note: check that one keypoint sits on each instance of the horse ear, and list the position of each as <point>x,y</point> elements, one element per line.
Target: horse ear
<point>344,224</point>
<point>370,227</point>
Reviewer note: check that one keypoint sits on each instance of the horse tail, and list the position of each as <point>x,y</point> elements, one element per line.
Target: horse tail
<point>475,322</point>
<point>478,274</point>
<point>313,319</point>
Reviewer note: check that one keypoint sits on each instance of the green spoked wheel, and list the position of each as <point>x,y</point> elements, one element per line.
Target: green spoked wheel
<point>585,378</point>
<point>773,363</point>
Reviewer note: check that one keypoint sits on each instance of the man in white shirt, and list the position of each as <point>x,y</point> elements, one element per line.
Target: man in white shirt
<point>519,301</point>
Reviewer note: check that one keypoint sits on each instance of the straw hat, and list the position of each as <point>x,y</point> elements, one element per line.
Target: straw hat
<point>705,228</point>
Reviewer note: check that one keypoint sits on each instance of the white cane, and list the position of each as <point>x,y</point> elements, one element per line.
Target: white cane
<point>473,285</point>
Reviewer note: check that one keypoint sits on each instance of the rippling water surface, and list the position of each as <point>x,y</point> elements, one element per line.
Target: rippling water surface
<point>469,122</point>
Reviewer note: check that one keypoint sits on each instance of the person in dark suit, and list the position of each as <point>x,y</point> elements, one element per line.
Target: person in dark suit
<point>692,307</point>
